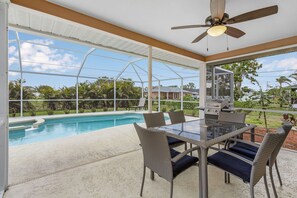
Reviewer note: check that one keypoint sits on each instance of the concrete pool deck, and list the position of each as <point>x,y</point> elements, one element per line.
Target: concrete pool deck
<point>108,163</point>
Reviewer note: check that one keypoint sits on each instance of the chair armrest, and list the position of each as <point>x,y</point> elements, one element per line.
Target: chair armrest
<point>245,142</point>
<point>257,134</point>
<point>181,155</point>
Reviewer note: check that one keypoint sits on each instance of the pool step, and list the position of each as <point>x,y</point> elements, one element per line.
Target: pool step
<point>35,125</point>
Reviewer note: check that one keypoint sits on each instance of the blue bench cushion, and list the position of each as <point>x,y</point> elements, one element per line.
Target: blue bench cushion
<point>232,165</point>
<point>245,149</point>
<point>173,141</point>
<point>182,164</point>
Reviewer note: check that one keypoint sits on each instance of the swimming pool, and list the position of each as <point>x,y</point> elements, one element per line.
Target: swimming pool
<point>63,127</point>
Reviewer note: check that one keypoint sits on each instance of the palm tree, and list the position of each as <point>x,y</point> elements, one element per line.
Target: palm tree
<point>282,80</point>
<point>294,76</point>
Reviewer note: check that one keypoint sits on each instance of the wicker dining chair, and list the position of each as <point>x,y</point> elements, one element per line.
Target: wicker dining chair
<point>160,158</point>
<point>177,117</point>
<point>249,170</point>
<point>249,149</point>
<point>157,120</point>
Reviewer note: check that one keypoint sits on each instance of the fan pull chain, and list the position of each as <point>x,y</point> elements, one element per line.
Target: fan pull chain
<point>227,42</point>
<point>207,43</point>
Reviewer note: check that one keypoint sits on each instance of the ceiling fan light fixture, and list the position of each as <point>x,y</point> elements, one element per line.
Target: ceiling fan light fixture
<point>217,30</point>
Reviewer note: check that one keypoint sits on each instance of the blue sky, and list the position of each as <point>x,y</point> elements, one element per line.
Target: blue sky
<point>48,55</point>
<point>60,57</point>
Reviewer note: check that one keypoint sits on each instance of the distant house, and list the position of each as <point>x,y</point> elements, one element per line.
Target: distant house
<point>171,93</point>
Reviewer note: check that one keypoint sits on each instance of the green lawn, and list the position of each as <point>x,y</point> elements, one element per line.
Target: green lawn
<point>274,120</point>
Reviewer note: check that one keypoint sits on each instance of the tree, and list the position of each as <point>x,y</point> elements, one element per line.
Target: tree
<point>68,93</point>
<point>282,92</point>
<point>189,86</point>
<point>264,101</point>
<point>15,94</point>
<point>243,70</point>
<point>294,75</point>
<point>48,92</point>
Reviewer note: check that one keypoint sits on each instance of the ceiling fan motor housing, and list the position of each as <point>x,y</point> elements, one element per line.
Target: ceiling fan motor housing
<point>216,21</point>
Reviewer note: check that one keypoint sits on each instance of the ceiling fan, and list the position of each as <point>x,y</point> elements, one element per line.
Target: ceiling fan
<point>218,22</point>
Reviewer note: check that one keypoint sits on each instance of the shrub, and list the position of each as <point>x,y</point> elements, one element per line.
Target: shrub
<point>81,110</point>
<point>190,105</point>
<point>66,111</point>
<point>164,109</point>
<point>32,113</point>
<point>193,113</point>
<point>105,109</point>
<point>93,109</point>
<point>50,112</point>
<point>172,109</point>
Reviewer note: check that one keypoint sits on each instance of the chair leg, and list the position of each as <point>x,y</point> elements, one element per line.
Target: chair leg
<point>279,177</point>
<point>272,182</point>
<point>143,178</point>
<point>152,175</point>
<point>191,153</point>
<point>266,186</point>
<point>171,188</point>
<point>186,146</point>
<point>252,191</point>
<point>227,178</point>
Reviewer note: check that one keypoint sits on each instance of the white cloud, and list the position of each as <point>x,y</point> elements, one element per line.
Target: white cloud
<point>13,73</point>
<point>42,58</point>
<point>11,49</point>
<point>283,64</point>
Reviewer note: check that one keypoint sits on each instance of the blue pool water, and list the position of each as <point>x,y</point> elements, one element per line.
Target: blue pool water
<point>63,127</point>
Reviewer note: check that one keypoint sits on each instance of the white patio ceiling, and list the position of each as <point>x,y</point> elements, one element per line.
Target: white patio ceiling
<point>28,20</point>
<point>154,18</point>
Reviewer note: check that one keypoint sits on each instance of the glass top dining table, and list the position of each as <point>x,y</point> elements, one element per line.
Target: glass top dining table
<point>205,133</point>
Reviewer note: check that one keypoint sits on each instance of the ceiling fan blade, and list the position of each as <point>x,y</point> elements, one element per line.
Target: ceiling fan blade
<point>234,32</point>
<point>188,26</point>
<point>201,36</point>
<point>217,8</point>
<point>263,12</point>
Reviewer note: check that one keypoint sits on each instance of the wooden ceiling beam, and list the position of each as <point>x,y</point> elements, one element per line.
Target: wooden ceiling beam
<point>286,42</point>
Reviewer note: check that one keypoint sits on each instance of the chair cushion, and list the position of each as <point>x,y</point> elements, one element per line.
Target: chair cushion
<point>244,149</point>
<point>232,165</point>
<point>173,153</point>
<point>173,141</point>
<point>182,164</point>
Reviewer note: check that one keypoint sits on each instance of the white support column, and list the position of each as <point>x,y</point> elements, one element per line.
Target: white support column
<point>115,95</point>
<point>213,83</point>
<point>202,89</point>
<point>159,96</point>
<point>3,96</point>
<point>150,73</point>
<point>182,94</point>
<point>232,88</point>
<point>217,86</point>
<point>76,95</point>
